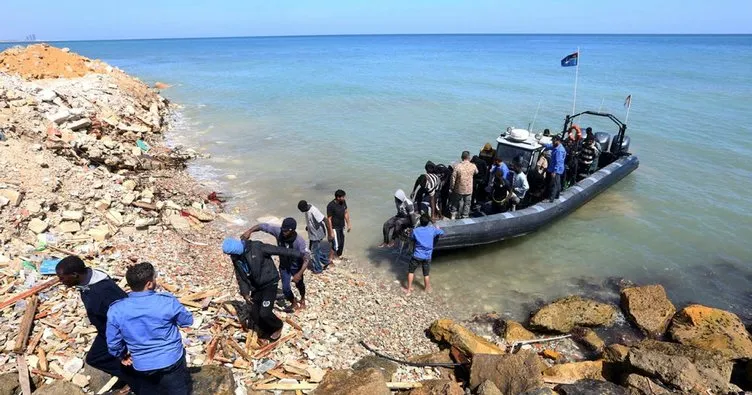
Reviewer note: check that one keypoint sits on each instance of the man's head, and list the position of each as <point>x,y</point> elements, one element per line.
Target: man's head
<point>497,161</point>
<point>303,206</point>
<point>70,270</point>
<point>546,132</point>
<point>465,155</point>
<point>430,167</point>
<point>232,246</point>
<point>425,219</point>
<point>487,147</point>
<point>141,277</point>
<point>288,227</point>
<point>339,196</point>
<point>557,141</point>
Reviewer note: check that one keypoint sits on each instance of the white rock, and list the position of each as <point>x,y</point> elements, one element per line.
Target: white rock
<point>36,225</point>
<point>47,95</point>
<point>73,365</point>
<point>80,380</point>
<point>34,206</point>
<point>129,198</point>
<point>70,227</point>
<point>100,233</point>
<point>145,222</point>
<point>36,147</point>
<point>59,117</point>
<point>80,124</point>
<point>129,185</point>
<point>102,204</point>
<point>76,216</point>
<point>4,201</point>
<point>115,217</point>
<point>14,197</point>
<point>179,222</point>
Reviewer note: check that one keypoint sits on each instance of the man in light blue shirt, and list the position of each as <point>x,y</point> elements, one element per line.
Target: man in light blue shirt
<point>555,167</point>
<point>423,236</point>
<point>142,331</point>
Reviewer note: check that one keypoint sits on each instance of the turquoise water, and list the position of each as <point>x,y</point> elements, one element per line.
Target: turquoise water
<point>299,117</point>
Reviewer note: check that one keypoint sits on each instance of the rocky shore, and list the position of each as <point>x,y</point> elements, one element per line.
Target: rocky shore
<point>85,169</point>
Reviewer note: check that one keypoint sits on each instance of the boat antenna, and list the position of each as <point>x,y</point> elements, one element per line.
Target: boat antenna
<point>601,107</point>
<point>530,126</point>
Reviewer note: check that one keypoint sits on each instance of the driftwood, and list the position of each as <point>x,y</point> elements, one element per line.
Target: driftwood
<point>23,375</point>
<point>108,385</point>
<point>238,348</point>
<point>31,291</point>
<point>25,328</point>
<point>271,346</point>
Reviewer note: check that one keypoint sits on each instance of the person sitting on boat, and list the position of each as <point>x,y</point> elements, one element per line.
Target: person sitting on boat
<point>500,194</point>
<point>427,185</point>
<point>588,155</point>
<point>404,218</point>
<point>555,167</point>
<point>520,185</point>
<point>487,153</point>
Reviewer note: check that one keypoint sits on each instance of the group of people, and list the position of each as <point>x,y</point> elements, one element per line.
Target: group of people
<point>138,338</point>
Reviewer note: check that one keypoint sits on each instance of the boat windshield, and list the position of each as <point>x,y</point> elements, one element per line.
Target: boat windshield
<point>508,152</point>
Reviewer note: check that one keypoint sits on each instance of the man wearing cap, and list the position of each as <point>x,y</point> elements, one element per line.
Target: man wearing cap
<point>555,167</point>
<point>316,225</point>
<point>257,280</point>
<point>290,269</point>
<point>487,153</point>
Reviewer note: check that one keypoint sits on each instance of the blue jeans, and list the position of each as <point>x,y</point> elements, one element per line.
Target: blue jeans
<point>319,257</point>
<point>287,274</point>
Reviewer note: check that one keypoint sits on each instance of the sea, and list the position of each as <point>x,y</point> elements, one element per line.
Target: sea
<point>289,118</point>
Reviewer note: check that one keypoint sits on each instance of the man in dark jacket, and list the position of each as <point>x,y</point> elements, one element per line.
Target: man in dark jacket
<point>97,292</point>
<point>257,279</point>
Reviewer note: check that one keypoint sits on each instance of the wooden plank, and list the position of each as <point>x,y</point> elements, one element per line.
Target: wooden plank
<point>169,287</point>
<point>31,291</point>
<point>24,330</point>
<point>200,295</point>
<point>271,346</point>
<point>47,374</point>
<point>23,375</point>
<point>238,349</point>
<point>42,360</point>
<point>211,349</point>
<point>293,324</point>
<point>144,205</point>
<point>35,341</point>
<point>107,386</point>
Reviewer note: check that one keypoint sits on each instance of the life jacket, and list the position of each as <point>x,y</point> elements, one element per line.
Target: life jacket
<point>577,136</point>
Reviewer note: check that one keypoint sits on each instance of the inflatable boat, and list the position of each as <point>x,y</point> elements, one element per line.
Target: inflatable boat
<point>613,164</point>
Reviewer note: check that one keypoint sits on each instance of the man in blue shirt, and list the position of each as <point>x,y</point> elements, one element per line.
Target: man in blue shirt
<point>555,167</point>
<point>423,236</point>
<point>142,331</point>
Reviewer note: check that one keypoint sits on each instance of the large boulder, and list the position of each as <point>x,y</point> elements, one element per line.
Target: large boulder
<point>648,307</point>
<point>442,356</point>
<point>709,363</point>
<point>59,388</point>
<point>9,384</point>
<point>465,340</point>
<point>387,368</point>
<point>97,378</point>
<point>641,385</point>
<point>712,329</point>
<point>212,380</point>
<point>438,387</point>
<point>514,332</point>
<point>565,314</point>
<point>510,373</point>
<point>574,371</point>
<point>540,391</point>
<point>675,371</point>
<point>592,387</point>
<point>346,382</point>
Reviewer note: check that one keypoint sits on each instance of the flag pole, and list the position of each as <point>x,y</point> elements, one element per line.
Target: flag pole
<point>601,107</point>
<point>629,106</point>
<point>576,75</point>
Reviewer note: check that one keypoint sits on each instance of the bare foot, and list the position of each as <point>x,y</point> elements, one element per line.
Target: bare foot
<point>382,245</point>
<point>391,245</point>
<point>407,291</point>
<point>429,290</point>
<point>301,305</point>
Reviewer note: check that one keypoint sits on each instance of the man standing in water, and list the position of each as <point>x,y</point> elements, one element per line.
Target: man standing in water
<point>291,269</point>
<point>257,280</point>
<point>337,216</point>
<point>555,167</point>
<point>462,186</point>
<point>317,228</point>
<point>97,292</point>
<point>423,236</point>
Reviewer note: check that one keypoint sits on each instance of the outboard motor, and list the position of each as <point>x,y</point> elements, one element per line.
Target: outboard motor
<point>624,145</point>
<point>603,139</point>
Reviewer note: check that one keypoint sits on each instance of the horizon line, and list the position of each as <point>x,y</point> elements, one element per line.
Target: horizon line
<point>374,35</point>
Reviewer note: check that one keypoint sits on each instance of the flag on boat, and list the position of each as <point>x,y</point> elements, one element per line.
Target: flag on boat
<point>628,101</point>
<point>570,60</point>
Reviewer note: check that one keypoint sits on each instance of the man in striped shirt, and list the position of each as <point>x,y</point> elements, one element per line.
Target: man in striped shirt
<point>427,185</point>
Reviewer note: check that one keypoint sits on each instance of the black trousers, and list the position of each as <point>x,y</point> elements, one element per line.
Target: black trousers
<point>99,358</point>
<point>262,310</point>
<point>172,380</point>
<point>338,244</point>
<point>554,186</point>
<point>393,226</point>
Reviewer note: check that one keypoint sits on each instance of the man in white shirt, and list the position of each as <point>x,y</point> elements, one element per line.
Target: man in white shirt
<point>519,185</point>
<point>317,231</point>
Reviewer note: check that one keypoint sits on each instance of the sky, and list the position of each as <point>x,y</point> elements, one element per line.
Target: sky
<point>98,19</point>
